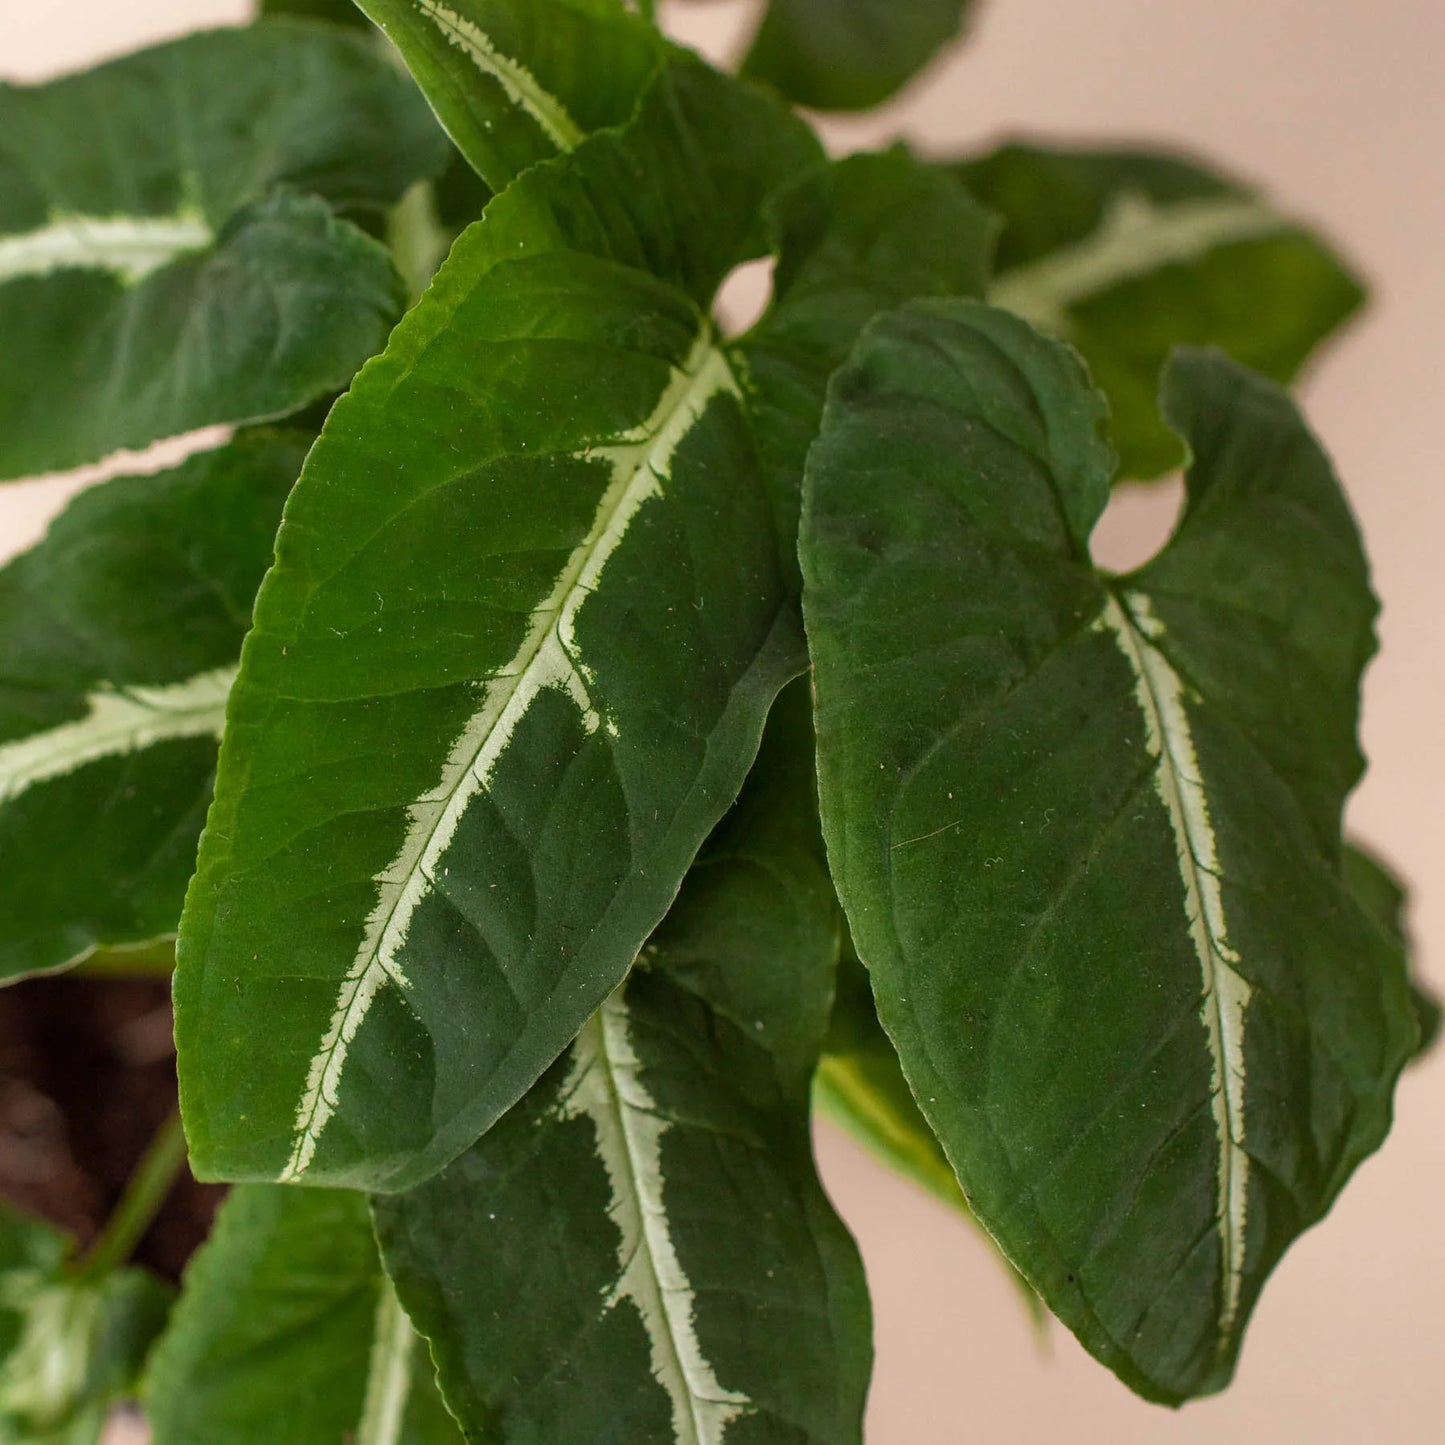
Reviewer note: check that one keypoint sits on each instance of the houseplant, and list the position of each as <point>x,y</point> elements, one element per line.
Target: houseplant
<point>550,315</point>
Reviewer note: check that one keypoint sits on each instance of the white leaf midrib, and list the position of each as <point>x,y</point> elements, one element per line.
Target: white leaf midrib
<point>521,86</point>
<point>1169,740</point>
<point>1136,237</point>
<point>117,722</point>
<point>605,1085</point>
<point>547,658</point>
<point>130,247</point>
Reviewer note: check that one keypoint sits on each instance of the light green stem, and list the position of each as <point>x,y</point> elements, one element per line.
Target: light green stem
<point>144,1194</point>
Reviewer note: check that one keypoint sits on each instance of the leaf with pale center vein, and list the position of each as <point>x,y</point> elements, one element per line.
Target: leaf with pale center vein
<point>1087,830</point>
<point>527,616</point>
<point>641,1249</point>
<point>1128,254</point>
<point>119,638</point>
<point>518,81</point>
<point>170,252</point>
<point>292,1272</point>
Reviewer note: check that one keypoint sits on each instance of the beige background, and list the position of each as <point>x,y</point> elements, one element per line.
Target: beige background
<point>1338,108</point>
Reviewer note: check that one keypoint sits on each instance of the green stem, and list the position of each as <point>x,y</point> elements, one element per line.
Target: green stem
<point>144,1194</point>
<point>648,10</point>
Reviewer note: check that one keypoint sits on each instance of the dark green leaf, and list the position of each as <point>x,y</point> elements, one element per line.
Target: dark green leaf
<point>160,268</point>
<point>69,1346</point>
<point>861,1087</point>
<point>510,668</point>
<point>334,12</point>
<point>119,636</point>
<point>1382,896</point>
<point>849,54</point>
<point>1087,829</point>
<point>641,1250</point>
<point>288,1332</point>
<point>851,239</point>
<point>518,81</point>
<point>1128,254</point>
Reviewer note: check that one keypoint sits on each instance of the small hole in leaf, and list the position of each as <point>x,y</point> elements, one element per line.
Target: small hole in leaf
<point>1136,523</point>
<point>744,296</point>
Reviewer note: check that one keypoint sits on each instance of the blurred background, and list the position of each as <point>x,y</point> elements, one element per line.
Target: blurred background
<point>1339,112</point>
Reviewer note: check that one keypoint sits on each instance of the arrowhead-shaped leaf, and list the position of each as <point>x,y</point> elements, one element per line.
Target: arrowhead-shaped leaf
<point>641,1249</point>
<point>120,633</point>
<point>161,268</point>
<point>70,1344</point>
<point>849,54</point>
<point>292,1275</point>
<point>511,666</point>
<point>1087,828</point>
<point>519,81</point>
<point>1128,254</point>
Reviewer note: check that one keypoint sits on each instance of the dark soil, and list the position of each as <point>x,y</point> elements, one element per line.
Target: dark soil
<point>87,1078</point>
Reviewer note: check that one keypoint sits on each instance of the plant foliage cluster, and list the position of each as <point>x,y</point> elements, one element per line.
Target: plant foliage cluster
<point>616,738</point>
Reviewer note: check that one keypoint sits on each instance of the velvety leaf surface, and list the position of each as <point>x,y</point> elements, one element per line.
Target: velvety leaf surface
<point>119,636</point>
<point>849,54</point>
<point>641,1251</point>
<point>1383,897</point>
<point>518,81</point>
<point>1087,828</point>
<point>70,1346</point>
<point>851,239</point>
<point>170,256</point>
<point>288,1332</point>
<point>1128,254</point>
<point>511,666</point>
<point>860,1087</point>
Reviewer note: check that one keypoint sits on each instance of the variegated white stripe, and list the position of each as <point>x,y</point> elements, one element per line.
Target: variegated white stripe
<point>1135,238</point>
<point>605,1085</point>
<point>115,723</point>
<point>389,1372</point>
<point>1170,741</point>
<point>129,246</point>
<point>546,661</point>
<point>519,83</point>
